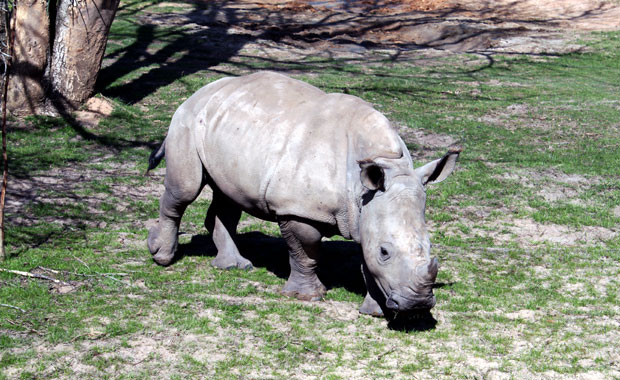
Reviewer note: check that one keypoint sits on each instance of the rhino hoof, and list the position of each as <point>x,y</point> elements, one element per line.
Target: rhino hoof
<point>303,296</point>
<point>371,307</point>
<point>375,312</point>
<point>160,256</point>
<point>304,293</point>
<point>163,259</point>
<point>240,263</point>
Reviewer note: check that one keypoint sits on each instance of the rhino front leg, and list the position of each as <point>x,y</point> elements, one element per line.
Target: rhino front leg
<point>221,221</point>
<point>371,306</point>
<point>304,243</point>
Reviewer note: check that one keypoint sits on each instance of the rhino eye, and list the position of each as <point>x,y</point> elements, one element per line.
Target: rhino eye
<point>384,255</point>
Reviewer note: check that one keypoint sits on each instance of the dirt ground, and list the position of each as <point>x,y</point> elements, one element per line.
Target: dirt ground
<point>298,28</point>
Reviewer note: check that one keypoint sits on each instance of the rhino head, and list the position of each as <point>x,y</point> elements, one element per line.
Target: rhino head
<point>393,234</point>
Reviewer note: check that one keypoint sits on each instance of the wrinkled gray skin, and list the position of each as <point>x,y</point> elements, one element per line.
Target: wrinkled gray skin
<point>317,164</point>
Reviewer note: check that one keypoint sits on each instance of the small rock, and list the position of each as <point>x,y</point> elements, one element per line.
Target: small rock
<point>63,289</point>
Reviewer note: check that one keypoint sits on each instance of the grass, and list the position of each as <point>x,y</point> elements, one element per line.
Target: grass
<point>540,138</point>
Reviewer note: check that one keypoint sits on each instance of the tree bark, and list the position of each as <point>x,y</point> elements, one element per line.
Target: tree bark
<point>30,23</point>
<point>82,28</point>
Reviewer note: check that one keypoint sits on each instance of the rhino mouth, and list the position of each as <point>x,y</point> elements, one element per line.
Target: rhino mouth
<point>412,304</point>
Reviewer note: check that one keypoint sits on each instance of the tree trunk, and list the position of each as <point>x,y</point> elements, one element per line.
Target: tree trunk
<point>30,24</point>
<point>82,28</point>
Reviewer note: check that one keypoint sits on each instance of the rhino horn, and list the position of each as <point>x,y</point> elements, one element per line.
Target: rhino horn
<point>428,273</point>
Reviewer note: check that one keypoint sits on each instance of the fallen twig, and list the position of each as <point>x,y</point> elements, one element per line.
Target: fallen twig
<point>97,274</point>
<point>13,307</point>
<point>140,361</point>
<point>76,337</point>
<point>33,275</point>
<point>30,329</point>
<point>380,356</point>
<point>299,343</point>
<point>312,350</point>
<point>81,261</point>
<point>112,278</point>
<point>48,270</point>
<point>91,335</point>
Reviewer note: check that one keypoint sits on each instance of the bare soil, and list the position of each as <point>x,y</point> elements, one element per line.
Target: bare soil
<point>93,111</point>
<point>287,30</point>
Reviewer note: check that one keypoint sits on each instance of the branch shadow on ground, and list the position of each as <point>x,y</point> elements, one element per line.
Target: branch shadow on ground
<point>217,32</point>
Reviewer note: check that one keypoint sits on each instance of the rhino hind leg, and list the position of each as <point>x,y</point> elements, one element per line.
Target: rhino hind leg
<point>184,181</point>
<point>221,221</point>
<point>304,243</point>
<point>163,237</point>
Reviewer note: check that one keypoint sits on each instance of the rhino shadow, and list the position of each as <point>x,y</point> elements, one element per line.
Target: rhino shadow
<point>422,321</point>
<point>339,267</point>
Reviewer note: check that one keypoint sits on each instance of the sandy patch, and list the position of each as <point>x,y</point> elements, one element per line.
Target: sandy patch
<point>425,145</point>
<point>526,314</point>
<point>365,31</point>
<point>94,110</point>
<point>529,231</point>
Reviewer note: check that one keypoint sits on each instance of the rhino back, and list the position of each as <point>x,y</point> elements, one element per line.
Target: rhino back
<point>278,146</point>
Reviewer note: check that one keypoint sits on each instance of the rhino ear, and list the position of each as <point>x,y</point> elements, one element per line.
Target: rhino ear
<point>438,170</point>
<point>372,175</point>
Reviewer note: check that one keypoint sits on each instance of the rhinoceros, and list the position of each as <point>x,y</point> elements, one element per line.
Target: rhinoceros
<point>319,165</point>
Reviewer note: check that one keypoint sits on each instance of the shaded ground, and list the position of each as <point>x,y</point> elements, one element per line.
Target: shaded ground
<point>289,32</point>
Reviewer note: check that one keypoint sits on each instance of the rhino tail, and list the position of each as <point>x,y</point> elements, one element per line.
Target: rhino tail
<point>156,156</point>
